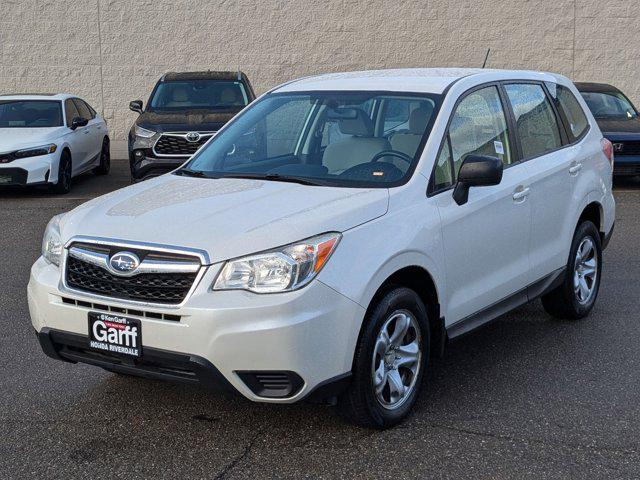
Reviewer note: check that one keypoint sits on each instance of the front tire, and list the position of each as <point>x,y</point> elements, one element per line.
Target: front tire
<point>64,174</point>
<point>577,294</point>
<point>105,159</point>
<point>390,361</point>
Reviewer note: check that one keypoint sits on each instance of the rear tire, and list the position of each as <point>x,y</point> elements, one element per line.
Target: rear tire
<point>64,174</point>
<point>105,159</point>
<point>390,361</point>
<point>575,297</point>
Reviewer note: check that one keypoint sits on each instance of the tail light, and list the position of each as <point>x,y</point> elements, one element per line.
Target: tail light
<point>607,149</point>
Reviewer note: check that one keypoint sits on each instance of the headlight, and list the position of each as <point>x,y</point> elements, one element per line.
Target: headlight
<point>35,151</point>
<point>280,270</point>
<point>143,132</point>
<point>52,243</point>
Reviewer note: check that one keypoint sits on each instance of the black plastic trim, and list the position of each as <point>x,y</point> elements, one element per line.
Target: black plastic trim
<point>329,389</point>
<point>155,363</point>
<point>486,315</point>
<point>607,237</point>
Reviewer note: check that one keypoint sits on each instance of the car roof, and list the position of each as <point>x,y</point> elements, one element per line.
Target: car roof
<point>208,75</point>
<point>418,80</point>
<point>595,87</point>
<point>37,96</point>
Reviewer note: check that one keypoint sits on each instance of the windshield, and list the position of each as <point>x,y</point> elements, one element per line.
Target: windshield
<point>325,138</point>
<point>609,104</point>
<point>195,94</point>
<point>30,114</point>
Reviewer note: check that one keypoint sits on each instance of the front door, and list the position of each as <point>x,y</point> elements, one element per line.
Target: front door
<point>486,240</point>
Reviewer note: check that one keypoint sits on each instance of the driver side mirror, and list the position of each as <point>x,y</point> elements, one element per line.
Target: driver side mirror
<point>78,122</point>
<point>136,106</point>
<point>476,171</point>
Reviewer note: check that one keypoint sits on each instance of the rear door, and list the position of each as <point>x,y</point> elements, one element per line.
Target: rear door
<point>78,138</point>
<point>93,131</point>
<point>552,166</point>
<point>486,240</point>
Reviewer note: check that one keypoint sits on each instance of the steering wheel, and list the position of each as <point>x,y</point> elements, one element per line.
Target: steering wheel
<point>392,153</point>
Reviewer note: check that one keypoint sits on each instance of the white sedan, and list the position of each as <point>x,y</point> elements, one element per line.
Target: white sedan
<point>48,139</point>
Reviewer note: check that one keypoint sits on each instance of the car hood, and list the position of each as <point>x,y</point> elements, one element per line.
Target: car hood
<point>185,121</point>
<point>225,217</point>
<point>17,138</point>
<point>619,125</point>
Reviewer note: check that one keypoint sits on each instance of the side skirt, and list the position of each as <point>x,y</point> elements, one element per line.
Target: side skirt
<point>527,294</point>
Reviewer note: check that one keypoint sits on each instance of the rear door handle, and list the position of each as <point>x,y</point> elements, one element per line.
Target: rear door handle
<point>574,169</point>
<point>521,194</point>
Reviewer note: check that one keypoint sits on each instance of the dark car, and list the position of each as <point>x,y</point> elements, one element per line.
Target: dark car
<point>618,119</point>
<point>183,112</point>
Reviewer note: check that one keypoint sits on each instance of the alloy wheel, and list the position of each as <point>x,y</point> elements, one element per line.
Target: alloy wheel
<point>585,271</point>
<point>397,358</point>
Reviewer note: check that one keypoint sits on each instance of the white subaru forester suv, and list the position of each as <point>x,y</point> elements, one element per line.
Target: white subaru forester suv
<point>335,235</point>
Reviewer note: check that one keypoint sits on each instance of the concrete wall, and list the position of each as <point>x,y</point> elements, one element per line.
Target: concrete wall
<point>112,51</point>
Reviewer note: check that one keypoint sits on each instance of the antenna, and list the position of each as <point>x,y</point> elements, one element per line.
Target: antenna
<point>486,57</point>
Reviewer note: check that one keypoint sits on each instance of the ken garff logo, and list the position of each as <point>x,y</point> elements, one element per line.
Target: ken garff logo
<point>193,137</point>
<point>124,263</point>
<point>618,147</point>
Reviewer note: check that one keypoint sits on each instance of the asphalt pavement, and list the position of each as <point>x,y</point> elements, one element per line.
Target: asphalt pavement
<point>524,397</point>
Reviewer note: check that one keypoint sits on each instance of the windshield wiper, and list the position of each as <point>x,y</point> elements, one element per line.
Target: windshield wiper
<point>276,177</point>
<point>191,173</point>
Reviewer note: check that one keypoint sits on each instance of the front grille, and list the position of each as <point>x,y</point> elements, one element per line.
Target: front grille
<point>154,287</point>
<point>629,148</point>
<point>622,169</point>
<point>179,145</point>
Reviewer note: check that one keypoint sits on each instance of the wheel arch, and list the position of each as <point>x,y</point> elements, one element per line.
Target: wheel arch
<point>593,211</point>
<point>419,279</point>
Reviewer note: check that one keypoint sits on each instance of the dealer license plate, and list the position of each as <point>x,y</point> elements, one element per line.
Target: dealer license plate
<point>115,334</point>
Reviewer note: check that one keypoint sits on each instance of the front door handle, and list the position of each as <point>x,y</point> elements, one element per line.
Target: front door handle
<point>575,169</point>
<point>521,194</point>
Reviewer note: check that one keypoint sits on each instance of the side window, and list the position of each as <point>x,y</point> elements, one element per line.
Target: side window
<point>70,111</point>
<point>536,123</point>
<point>442,173</point>
<point>82,109</point>
<point>479,127</point>
<point>284,126</point>
<point>572,111</point>
<point>91,109</point>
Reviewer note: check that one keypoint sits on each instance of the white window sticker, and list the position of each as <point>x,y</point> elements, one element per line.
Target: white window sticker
<point>498,147</point>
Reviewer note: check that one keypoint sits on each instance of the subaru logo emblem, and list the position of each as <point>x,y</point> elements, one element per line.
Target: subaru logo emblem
<point>124,263</point>
<point>617,147</point>
<point>193,137</point>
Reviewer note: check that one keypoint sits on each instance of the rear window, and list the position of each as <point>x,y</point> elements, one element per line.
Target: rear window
<point>571,110</point>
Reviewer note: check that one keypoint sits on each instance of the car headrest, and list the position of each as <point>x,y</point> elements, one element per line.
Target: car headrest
<point>359,124</point>
<point>179,95</point>
<point>228,96</point>
<point>419,118</point>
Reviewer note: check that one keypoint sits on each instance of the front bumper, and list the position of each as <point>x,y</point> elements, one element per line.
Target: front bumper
<point>311,333</point>
<point>30,171</point>
<point>144,164</point>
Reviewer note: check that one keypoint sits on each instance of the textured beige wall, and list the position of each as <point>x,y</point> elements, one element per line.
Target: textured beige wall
<point>113,51</point>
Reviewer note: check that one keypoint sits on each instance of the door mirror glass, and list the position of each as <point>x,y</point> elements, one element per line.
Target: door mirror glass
<point>78,122</point>
<point>476,171</point>
<point>136,106</point>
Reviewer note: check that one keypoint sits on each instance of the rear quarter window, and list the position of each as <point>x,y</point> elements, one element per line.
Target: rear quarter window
<point>570,108</point>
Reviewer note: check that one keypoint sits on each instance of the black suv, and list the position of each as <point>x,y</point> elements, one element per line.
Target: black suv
<point>183,112</point>
<point>619,122</point>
